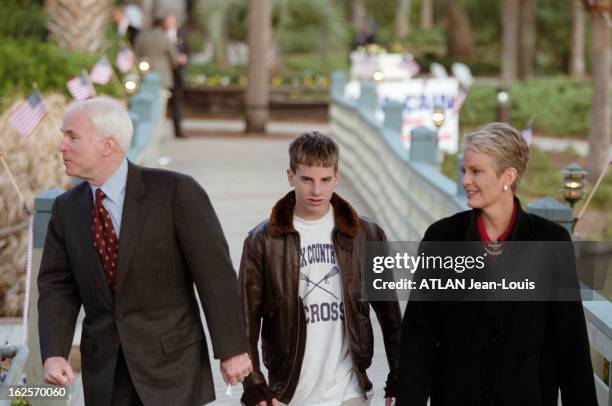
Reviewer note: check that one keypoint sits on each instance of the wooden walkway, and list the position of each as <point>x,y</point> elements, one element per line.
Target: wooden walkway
<point>243,177</point>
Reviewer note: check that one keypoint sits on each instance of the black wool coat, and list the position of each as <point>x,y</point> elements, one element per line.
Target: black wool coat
<point>495,353</point>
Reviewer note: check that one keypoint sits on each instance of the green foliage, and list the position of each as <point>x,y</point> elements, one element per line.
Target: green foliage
<point>316,65</point>
<point>299,25</point>
<point>22,19</point>
<point>562,105</point>
<point>24,62</point>
<point>554,22</point>
<point>322,23</point>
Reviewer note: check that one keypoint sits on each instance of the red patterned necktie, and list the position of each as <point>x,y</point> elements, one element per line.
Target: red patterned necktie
<point>105,240</point>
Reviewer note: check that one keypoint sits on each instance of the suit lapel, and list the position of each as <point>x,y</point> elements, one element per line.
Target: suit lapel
<point>131,221</point>
<point>90,256</point>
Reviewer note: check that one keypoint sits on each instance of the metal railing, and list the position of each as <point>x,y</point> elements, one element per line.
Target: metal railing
<point>18,355</point>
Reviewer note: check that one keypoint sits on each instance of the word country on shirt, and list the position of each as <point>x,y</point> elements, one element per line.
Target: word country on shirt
<point>317,254</point>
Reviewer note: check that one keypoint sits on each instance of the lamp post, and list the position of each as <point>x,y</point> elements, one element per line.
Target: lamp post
<point>438,119</point>
<point>131,83</point>
<point>504,104</point>
<point>573,186</point>
<point>143,67</point>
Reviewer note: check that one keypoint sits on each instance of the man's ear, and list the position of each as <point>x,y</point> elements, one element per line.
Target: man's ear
<point>291,177</point>
<point>109,143</point>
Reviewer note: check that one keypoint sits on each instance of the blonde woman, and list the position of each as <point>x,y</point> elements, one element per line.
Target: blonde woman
<point>495,353</point>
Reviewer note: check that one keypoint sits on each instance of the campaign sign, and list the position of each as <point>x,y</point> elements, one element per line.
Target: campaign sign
<point>420,98</point>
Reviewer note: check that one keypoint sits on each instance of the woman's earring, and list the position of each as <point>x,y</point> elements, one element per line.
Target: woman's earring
<point>505,188</point>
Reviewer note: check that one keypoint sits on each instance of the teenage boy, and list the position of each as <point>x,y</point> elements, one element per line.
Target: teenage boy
<point>300,280</point>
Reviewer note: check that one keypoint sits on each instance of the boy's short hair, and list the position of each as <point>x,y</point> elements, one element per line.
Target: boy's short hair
<point>313,149</point>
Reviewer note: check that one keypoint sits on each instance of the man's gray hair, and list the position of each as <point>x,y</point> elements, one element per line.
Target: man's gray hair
<point>108,118</point>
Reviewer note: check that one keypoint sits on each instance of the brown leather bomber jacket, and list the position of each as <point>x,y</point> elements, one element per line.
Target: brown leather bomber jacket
<point>269,280</point>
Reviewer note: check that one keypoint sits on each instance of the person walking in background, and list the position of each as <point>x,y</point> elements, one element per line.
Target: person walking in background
<point>155,46</point>
<point>129,21</point>
<point>178,37</point>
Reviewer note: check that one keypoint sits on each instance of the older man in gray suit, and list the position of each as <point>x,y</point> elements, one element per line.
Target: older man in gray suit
<point>128,245</point>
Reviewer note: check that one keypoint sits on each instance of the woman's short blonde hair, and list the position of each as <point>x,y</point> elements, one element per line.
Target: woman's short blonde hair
<point>504,144</point>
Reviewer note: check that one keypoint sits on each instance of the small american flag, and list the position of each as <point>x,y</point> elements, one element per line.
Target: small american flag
<point>27,116</point>
<point>527,132</point>
<point>80,88</point>
<point>458,101</point>
<point>101,72</point>
<point>125,59</point>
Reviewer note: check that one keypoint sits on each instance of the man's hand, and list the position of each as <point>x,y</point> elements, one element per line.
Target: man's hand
<point>275,402</point>
<point>236,368</point>
<point>57,371</point>
<point>390,402</point>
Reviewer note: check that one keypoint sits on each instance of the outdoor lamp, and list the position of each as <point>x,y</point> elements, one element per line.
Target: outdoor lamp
<point>438,117</point>
<point>503,97</point>
<point>143,67</point>
<point>131,83</point>
<point>573,183</point>
<point>378,76</point>
<point>503,104</point>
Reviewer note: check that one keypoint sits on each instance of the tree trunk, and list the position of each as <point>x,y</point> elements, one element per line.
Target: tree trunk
<point>402,20</point>
<point>510,34</point>
<point>528,37</point>
<point>577,65</point>
<point>599,135</point>
<point>459,42</point>
<point>427,13</point>
<point>259,34</point>
<point>78,25</point>
<point>359,15</point>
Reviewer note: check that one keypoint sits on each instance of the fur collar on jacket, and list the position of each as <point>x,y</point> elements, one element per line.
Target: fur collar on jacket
<point>281,218</point>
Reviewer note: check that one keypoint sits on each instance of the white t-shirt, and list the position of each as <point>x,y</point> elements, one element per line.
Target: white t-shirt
<point>326,377</point>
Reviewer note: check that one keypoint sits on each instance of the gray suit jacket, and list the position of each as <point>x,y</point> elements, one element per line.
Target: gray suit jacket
<point>155,46</point>
<point>170,239</point>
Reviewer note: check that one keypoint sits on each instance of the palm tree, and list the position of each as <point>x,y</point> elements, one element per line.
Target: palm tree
<point>599,135</point>
<point>459,42</point>
<point>256,97</point>
<point>358,15</point>
<point>402,19</point>
<point>78,25</point>
<point>577,49</point>
<point>528,37</point>
<point>427,12</point>
<point>510,33</point>
<point>213,17</point>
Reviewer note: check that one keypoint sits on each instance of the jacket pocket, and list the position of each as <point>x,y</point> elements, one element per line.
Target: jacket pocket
<point>181,338</point>
<point>366,335</point>
<point>273,326</point>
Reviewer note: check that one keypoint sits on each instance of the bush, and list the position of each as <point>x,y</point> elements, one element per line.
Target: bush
<point>22,19</point>
<point>29,61</point>
<point>561,104</point>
